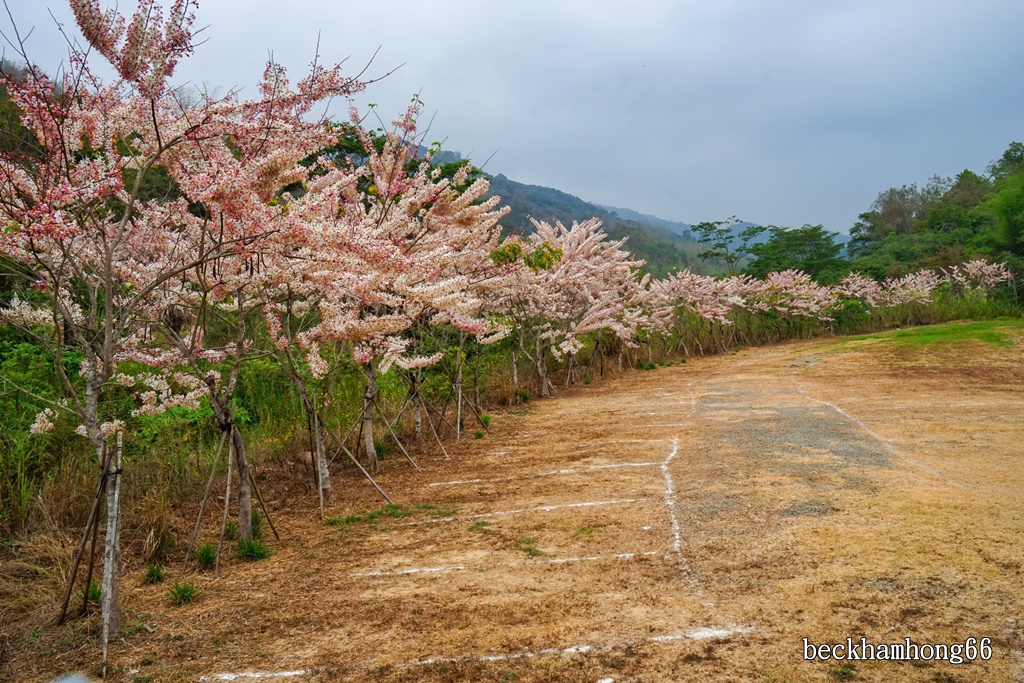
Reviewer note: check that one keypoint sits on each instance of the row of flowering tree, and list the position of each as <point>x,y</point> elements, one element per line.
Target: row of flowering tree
<point>693,313</point>
<point>160,247</point>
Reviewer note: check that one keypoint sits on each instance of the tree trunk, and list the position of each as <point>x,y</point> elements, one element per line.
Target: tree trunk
<point>323,474</point>
<point>111,615</point>
<point>515,373</point>
<point>244,488</point>
<point>417,409</point>
<point>542,370</point>
<point>371,393</point>
<point>319,454</point>
<point>476,390</point>
<point>458,388</point>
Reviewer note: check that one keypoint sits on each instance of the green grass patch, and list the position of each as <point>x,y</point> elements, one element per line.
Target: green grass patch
<point>257,523</point>
<point>529,546</point>
<point>252,549</point>
<point>480,527</point>
<point>154,574</point>
<point>391,511</point>
<point>991,332</point>
<point>183,592</point>
<point>437,511</point>
<point>94,593</point>
<point>206,555</point>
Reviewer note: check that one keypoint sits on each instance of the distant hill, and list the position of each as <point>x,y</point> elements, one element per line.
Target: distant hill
<point>683,229</point>
<point>542,203</point>
<point>663,249</point>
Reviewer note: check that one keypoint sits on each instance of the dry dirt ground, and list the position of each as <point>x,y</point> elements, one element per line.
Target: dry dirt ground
<point>691,523</point>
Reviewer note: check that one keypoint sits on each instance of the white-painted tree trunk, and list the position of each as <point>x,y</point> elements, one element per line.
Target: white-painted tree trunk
<point>110,614</point>
<point>368,398</point>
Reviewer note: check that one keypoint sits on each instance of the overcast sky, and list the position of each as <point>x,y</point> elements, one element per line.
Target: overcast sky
<point>782,112</point>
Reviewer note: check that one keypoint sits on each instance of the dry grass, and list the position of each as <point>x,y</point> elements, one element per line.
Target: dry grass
<point>824,489</point>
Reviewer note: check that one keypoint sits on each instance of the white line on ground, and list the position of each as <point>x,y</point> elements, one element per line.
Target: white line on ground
<point>697,634</point>
<point>254,674</point>
<point>670,501</point>
<point>462,567</point>
<point>545,474</point>
<point>885,442</point>
<point>930,471</point>
<point>546,508</point>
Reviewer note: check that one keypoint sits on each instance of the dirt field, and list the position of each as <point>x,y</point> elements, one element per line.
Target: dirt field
<point>690,523</point>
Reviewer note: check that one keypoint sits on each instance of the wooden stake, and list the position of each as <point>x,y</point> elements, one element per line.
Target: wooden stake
<point>93,519</point>
<point>266,513</point>
<point>434,431</point>
<point>395,437</point>
<point>355,461</point>
<point>202,505</point>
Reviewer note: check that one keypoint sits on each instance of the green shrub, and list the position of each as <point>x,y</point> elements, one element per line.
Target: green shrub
<point>94,593</point>
<point>524,396</point>
<point>485,420</point>
<point>478,434</point>
<point>154,574</point>
<point>257,524</point>
<point>206,555</point>
<point>252,549</point>
<point>231,530</point>
<point>183,592</point>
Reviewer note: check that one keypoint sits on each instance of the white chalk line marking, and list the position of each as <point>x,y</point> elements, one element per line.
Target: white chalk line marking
<point>254,674</point>
<point>930,471</point>
<point>874,435</point>
<point>463,567</point>
<point>705,633</point>
<point>545,474</point>
<point>670,500</point>
<point>546,508</point>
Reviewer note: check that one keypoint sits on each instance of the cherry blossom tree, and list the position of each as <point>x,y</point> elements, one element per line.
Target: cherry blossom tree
<point>588,285</point>
<point>133,212</point>
<point>392,243</point>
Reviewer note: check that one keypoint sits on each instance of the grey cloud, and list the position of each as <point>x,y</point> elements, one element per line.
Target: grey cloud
<point>781,112</point>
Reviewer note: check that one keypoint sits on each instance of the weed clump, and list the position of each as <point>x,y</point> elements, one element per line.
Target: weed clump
<point>154,574</point>
<point>252,549</point>
<point>257,524</point>
<point>93,593</point>
<point>206,555</point>
<point>183,592</point>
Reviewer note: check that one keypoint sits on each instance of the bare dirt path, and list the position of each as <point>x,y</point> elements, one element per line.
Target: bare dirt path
<point>695,522</point>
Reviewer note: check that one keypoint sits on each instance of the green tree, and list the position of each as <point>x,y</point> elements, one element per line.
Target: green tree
<point>1007,208</point>
<point>811,249</point>
<point>1010,163</point>
<point>727,243</point>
